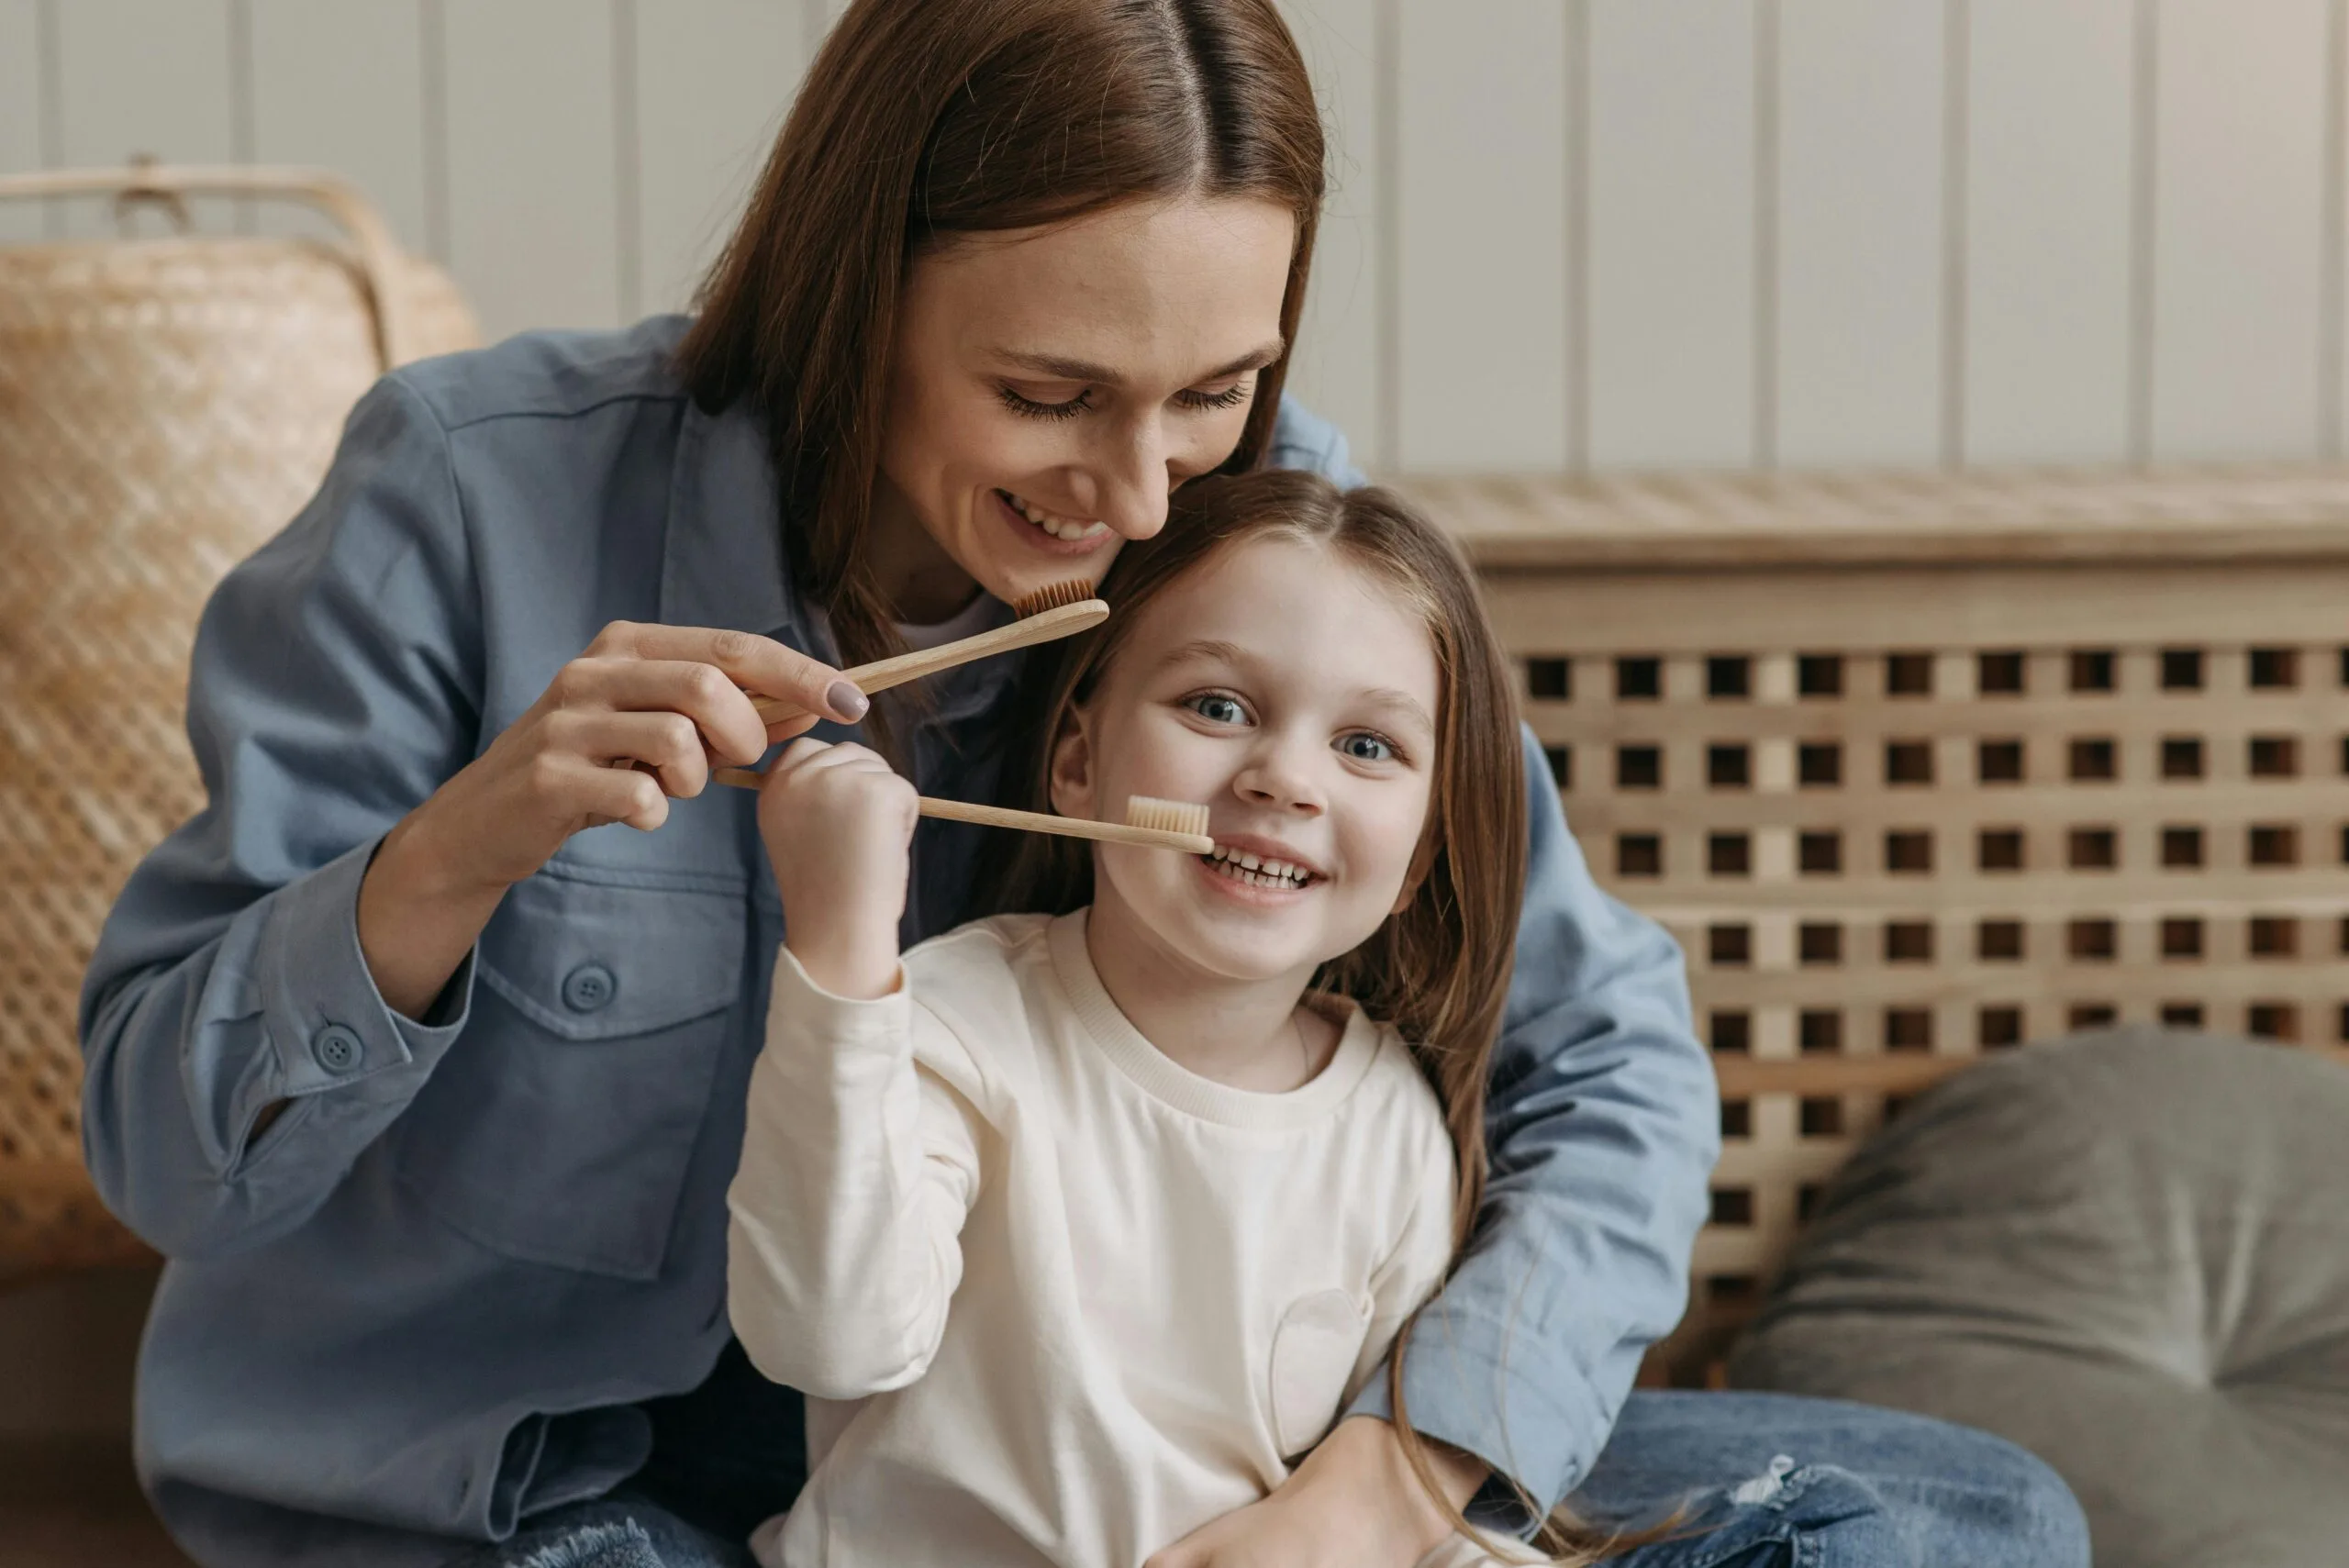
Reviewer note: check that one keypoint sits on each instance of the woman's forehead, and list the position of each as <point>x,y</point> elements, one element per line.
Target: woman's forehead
<point>1199,279</point>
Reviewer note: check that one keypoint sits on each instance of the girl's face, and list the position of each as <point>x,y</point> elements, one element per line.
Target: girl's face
<point>1293,696</point>
<point>1049,387</point>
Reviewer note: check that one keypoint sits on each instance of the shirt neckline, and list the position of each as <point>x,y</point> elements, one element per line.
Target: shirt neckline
<point>1162,1078</point>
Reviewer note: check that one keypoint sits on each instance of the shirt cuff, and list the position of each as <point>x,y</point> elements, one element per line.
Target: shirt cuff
<point>328,1026</point>
<point>1480,1386</point>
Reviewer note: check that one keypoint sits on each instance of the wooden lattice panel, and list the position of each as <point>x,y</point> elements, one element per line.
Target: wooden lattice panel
<point>2007,757</point>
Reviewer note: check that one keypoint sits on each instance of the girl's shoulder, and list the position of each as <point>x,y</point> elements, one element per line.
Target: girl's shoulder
<point>981,985</point>
<point>1396,1087</point>
<point>984,952</point>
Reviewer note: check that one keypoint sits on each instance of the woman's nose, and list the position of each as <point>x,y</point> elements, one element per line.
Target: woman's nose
<point>1132,475</point>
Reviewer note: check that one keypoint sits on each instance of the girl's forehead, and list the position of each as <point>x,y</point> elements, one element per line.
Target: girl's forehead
<point>1293,606</point>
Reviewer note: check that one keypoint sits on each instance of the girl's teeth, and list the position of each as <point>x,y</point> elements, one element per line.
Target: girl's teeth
<point>1255,872</point>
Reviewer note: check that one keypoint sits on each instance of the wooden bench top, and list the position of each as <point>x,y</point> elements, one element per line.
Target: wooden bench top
<point>1686,521</point>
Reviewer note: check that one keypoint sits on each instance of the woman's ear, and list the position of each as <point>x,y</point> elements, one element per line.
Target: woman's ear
<point>1070,783</point>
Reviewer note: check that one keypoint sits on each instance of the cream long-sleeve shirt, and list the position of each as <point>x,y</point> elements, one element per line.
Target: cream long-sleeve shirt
<point>1058,1300</point>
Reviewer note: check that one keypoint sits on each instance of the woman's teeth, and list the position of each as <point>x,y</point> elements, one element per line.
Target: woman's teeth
<point>1057,526</point>
<point>1256,871</point>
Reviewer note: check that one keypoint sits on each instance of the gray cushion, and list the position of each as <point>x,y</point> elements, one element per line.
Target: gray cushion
<point>2128,1252</point>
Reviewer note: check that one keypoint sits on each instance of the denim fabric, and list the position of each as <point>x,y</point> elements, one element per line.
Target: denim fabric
<point>623,1531</point>
<point>1771,1481</point>
<point>1759,1481</point>
<point>433,1298</point>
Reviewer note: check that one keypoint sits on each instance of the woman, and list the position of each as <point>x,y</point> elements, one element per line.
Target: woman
<point>421,1052</point>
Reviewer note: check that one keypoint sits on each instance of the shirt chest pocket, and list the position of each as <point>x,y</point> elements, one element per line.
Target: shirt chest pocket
<point>560,1127</point>
<point>1314,1350</point>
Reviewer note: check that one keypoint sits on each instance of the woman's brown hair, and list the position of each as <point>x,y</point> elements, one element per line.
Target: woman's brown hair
<point>1438,969</point>
<point>921,121</point>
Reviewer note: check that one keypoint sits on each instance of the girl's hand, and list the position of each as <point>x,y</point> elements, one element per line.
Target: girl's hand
<point>631,723</point>
<point>1353,1504</point>
<point>838,826</point>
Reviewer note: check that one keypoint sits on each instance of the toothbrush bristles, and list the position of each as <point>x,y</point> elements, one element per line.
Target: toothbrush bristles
<point>1166,815</point>
<point>1051,596</point>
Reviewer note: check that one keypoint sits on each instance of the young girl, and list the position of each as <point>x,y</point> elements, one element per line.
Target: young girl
<point>1082,1225</point>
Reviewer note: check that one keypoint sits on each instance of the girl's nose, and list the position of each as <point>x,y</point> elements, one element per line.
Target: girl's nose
<point>1279,774</point>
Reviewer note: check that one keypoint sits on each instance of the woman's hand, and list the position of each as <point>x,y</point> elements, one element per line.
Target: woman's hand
<point>622,728</point>
<point>839,827</point>
<point>1353,1504</point>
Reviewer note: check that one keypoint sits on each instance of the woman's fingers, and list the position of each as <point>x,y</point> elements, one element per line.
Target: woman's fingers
<point>702,693</point>
<point>667,743</point>
<point>760,663</point>
<point>572,788</point>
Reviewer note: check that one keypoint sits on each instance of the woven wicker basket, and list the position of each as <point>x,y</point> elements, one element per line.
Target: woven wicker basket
<point>165,405</point>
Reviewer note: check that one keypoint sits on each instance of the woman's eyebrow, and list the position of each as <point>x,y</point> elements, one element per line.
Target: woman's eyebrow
<point>1061,368</point>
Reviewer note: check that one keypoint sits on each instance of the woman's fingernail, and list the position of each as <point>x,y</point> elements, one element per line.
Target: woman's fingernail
<point>847,703</point>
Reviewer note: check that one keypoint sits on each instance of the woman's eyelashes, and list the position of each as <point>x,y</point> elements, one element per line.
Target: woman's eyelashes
<point>1028,407</point>
<point>1232,396</point>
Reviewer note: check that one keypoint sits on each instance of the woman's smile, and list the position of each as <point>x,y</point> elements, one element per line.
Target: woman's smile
<point>1048,530</point>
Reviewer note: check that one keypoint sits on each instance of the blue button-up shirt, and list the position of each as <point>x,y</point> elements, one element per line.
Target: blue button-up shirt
<point>428,1298</point>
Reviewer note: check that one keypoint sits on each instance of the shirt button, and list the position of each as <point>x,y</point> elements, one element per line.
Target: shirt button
<point>588,987</point>
<point>336,1048</point>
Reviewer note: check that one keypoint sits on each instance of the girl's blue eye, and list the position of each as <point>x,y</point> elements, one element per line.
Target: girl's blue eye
<point>1364,747</point>
<point>1217,709</point>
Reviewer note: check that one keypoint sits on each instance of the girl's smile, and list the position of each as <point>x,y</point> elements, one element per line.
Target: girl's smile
<point>1292,693</point>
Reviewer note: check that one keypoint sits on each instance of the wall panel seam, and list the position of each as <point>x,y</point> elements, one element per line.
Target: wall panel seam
<point>51,75</point>
<point>1769,69</point>
<point>243,110</point>
<point>1577,278</point>
<point>628,163</point>
<point>1389,65</point>
<point>2333,250</point>
<point>2143,192</point>
<point>433,68</point>
<point>1957,93</point>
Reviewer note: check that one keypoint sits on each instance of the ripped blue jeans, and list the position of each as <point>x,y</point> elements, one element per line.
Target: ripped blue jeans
<point>1761,1481</point>
<point>1770,1481</point>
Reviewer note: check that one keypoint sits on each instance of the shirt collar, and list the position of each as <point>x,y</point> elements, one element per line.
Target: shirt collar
<point>723,565</point>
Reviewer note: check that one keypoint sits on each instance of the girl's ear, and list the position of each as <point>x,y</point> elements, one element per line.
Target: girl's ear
<point>1070,782</point>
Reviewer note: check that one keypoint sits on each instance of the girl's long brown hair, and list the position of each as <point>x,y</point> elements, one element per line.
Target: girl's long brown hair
<point>921,121</point>
<point>1438,969</point>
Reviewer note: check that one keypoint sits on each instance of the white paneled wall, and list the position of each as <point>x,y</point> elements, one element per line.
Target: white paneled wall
<point>1562,233</point>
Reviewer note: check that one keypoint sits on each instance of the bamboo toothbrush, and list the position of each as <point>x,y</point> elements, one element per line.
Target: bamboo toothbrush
<point>1151,823</point>
<point>1053,611</point>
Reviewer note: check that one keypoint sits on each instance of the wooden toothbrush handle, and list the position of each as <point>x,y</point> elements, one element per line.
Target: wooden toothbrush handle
<point>1026,821</point>
<point>1067,826</point>
<point>1046,626</point>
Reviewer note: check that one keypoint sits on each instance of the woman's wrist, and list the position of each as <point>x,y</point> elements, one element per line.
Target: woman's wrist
<point>419,914</point>
<point>1363,1456</point>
